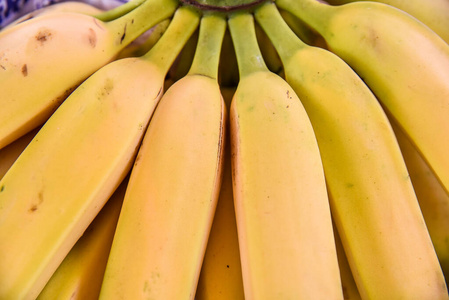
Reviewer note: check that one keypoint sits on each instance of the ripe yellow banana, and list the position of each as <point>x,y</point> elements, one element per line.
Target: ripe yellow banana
<point>69,6</point>
<point>433,199</point>
<point>66,174</point>
<point>403,62</point>
<point>433,13</point>
<point>44,59</point>
<point>286,241</point>
<point>372,199</point>
<point>174,185</point>
<point>221,272</point>
<point>80,274</point>
<point>350,291</point>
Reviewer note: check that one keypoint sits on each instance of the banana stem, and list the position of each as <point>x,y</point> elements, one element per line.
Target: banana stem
<point>207,54</point>
<point>243,33</point>
<point>312,12</point>
<point>119,10</point>
<point>285,41</point>
<point>137,21</point>
<point>164,53</point>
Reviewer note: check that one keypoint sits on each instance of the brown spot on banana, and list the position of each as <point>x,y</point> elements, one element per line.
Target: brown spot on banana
<point>25,70</point>
<point>43,35</point>
<point>136,161</point>
<point>123,35</point>
<point>92,37</point>
<point>35,206</point>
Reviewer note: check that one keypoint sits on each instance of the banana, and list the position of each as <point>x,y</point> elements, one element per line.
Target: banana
<point>433,13</point>
<point>42,60</point>
<point>403,62</point>
<point>285,233</point>
<point>221,272</point>
<point>80,274</point>
<point>61,180</point>
<point>10,153</point>
<point>172,194</point>
<point>373,202</point>
<point>433,199</point>
<point>69,6</point>
<point>350,291</point>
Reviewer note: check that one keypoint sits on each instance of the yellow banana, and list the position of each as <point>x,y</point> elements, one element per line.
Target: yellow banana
<point>433,13</point>
<point>69,6</point>
<point>66,174</point>
<point>80,274</point>
<point>44,59</point>
<point>373,202</point>
<point>174,185</point>
<point>286,241</point>
<point>221,272</point>
<point>433,199</point>
<point>403,62</point>
<point>350,291</point>
<point>10,153</point>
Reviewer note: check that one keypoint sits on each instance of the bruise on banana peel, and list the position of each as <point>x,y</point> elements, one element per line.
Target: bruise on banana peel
<point>43,35</point>
<point>35,205</point>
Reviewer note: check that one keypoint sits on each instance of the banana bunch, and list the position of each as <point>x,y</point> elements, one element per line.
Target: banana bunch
<point>432,13</point>
<point>186,149</point>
